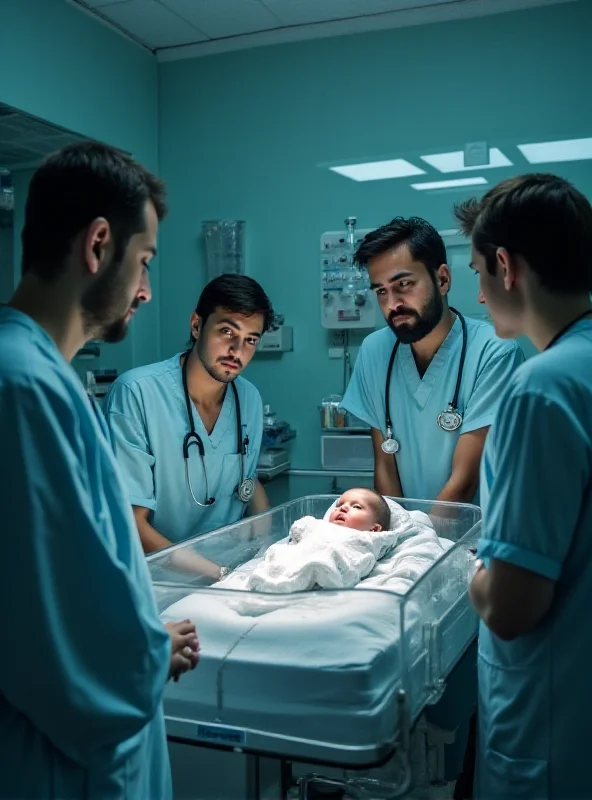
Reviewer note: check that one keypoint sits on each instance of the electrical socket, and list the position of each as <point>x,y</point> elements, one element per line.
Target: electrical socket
<point>338,339</point>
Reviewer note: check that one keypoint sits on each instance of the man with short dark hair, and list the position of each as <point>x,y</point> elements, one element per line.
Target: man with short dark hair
<point>187,431</point>
<point>532,251</point>
<point>446,371</point>
<point>84,658</point>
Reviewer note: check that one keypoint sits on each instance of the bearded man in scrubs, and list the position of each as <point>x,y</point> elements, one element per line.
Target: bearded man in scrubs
<point>178,492</point>
<point>532,251</point>
<point>84,656</point>
<point>406,262</point>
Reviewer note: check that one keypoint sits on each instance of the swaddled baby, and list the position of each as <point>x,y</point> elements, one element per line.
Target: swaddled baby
<point>336,553</point>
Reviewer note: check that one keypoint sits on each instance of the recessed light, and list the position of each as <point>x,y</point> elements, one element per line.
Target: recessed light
<point>454,162</point>
<point>451,184</point>
<point>379,170</point>
<point>549,152</point>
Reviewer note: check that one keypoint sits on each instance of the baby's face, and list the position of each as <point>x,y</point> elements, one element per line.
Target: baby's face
<point>355,509</point>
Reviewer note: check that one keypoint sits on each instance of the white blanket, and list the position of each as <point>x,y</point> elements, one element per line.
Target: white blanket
<point>343,558</point>
<point>320,554</point>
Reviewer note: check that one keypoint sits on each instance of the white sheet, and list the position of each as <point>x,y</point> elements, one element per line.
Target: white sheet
<point>329,661</point>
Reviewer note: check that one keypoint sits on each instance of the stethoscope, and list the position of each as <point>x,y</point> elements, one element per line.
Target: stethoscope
<point>570,325</point>
<point>449,420</point>
<point>246,487</point>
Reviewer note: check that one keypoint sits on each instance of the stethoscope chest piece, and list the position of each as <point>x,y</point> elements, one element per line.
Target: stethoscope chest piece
<point>449,420</point>
<point>390,445</point>
<point>246,490</point>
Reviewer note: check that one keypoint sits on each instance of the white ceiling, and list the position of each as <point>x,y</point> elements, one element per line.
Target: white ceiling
<point>177,29</point>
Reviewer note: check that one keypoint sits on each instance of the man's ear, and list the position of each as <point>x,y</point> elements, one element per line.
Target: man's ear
<point>96,244</point>
<point>444,279</point>
<point>195,325</point>
<point>508,267</point>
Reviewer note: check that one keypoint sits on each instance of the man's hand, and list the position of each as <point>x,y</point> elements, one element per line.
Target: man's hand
<point>184,647</point>
<point>510,600</point>
<point>186,560</point>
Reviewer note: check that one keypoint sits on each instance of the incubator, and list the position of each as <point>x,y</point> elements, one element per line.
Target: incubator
<point>326,677</point>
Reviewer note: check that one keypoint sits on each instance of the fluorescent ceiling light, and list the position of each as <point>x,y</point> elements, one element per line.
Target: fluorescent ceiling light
<point>452,184</point>
<point>549,152</point>
<point>454,162</point>
<point>379,170</point>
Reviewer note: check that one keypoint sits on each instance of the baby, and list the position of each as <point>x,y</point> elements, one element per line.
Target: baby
<point>335,552</point>
<point>363,510</point>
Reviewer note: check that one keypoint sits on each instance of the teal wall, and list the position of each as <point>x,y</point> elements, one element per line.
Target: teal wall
<point>250,134</point>
<point>61,65</point>
<point>243,135</point>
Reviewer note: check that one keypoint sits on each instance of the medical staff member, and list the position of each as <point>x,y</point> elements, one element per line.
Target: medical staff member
<point>84,655</point>
<point>532,251</point>
<point>441,372</point>
<point>187,431</point>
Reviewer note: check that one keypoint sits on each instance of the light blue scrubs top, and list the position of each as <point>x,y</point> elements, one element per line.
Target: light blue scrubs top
<point>84,656</point>
<point>147,416</point>
<point>535,701</point>
<point>426,451</point>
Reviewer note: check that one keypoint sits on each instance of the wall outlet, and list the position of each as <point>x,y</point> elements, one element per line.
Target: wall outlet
<point>336,352</point>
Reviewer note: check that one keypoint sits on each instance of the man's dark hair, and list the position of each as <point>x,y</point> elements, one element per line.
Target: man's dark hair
<point>423,240</point>
<point>237,293</point>
<point>542,218</point>
<point>77,185</point>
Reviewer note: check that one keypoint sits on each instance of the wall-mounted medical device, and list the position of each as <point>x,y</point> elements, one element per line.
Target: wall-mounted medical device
<point>280,340</point>
<point>346,298</point>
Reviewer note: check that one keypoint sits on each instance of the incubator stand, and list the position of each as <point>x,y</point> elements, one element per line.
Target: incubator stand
<point>334,678</point>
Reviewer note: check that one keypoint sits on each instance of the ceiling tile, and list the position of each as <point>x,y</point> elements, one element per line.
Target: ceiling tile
<point>301,12</point>
<point>221,18</point>
<point>152,23</point>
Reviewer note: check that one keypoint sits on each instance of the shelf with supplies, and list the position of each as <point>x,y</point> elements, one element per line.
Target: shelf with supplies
<point>269,473</point>
<point>273,440</point>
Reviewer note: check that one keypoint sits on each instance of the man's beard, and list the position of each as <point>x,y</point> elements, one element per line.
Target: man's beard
<point>104,316</point>
<point>425,320</point>
<point>216,370</point>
